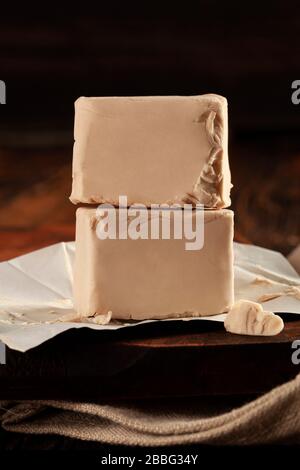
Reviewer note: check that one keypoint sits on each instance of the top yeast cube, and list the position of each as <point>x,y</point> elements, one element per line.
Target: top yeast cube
<point>153,150</point>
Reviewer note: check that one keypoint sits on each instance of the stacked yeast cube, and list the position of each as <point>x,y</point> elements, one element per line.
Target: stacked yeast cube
<point>153,150</point>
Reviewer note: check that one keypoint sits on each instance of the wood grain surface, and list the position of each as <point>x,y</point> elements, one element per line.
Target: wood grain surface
<point>160,360</point>
<point>176,358</point>
<point>36,184</point>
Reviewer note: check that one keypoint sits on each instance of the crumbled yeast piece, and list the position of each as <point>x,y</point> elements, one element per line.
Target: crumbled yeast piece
<point>249,318</point>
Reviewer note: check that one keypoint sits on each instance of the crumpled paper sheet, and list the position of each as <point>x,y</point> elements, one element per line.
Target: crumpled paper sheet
<point>36,292</point>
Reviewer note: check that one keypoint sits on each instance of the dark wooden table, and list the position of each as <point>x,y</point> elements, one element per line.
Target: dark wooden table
<point>155,360</point>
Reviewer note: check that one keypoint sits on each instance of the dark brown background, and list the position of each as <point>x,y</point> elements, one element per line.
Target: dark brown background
<point>50,56</point>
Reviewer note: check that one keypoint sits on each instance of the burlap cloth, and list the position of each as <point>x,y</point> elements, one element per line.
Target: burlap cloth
<point>271,418</point>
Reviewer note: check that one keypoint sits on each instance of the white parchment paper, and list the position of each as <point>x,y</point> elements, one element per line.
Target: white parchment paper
<point>36,292</point>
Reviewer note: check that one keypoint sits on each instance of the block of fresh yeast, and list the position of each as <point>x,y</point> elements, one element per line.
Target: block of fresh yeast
<point>156,149</point>
<point>144,278</point>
